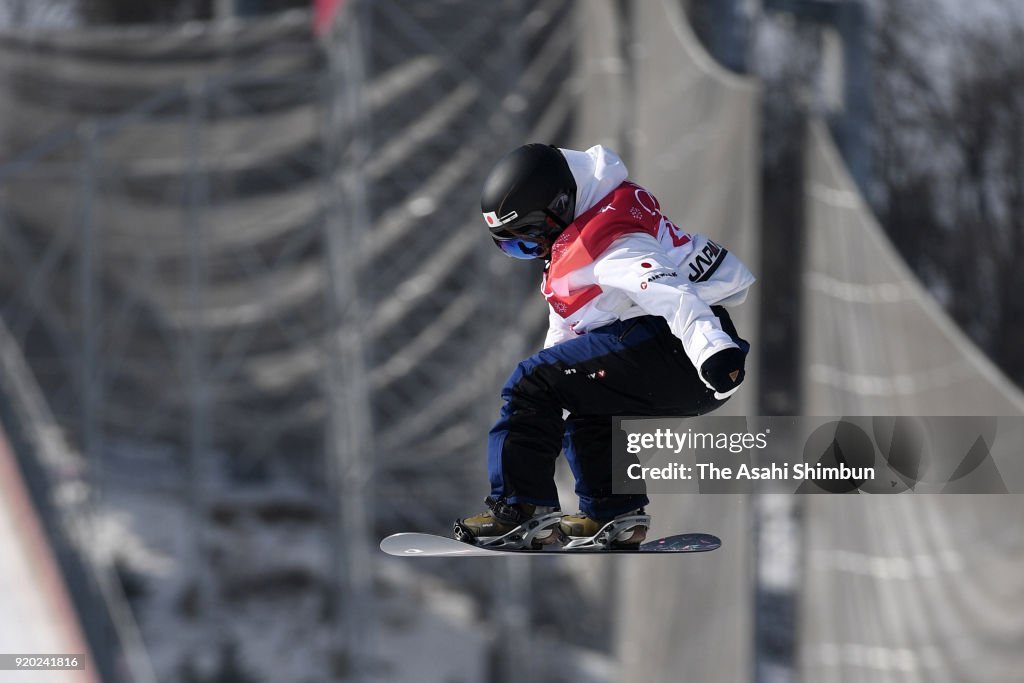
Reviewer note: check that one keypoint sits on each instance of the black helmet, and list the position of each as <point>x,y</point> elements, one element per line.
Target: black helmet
<point>529,198</point>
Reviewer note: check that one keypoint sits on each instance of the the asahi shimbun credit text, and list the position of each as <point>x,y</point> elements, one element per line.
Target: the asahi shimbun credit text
<point>664,439</point>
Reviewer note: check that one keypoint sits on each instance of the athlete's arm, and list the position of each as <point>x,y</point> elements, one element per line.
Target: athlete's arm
<point>637,265</point>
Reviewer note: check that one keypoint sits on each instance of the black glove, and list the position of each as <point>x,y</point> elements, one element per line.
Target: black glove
<point>724,372</point>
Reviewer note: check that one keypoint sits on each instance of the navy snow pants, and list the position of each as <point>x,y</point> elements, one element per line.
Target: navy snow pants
<point>634,367</point>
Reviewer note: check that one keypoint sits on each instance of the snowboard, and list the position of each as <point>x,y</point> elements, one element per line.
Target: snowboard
<point>432,545</point>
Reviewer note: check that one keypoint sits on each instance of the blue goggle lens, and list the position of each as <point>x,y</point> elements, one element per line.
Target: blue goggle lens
<point>520,249</point>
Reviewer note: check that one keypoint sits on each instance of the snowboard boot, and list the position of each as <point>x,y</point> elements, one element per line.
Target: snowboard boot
<point>510,525</point>
<point>623,532</point>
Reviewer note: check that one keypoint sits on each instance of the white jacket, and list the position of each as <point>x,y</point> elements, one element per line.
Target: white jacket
<point>621,258</point>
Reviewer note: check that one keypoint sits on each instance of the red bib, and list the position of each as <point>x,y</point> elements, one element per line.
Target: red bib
<point>627,209</point>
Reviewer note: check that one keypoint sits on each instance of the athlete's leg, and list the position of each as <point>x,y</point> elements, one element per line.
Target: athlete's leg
<point>588,449</point>
<point>633,367</point>
<point>661,381</point>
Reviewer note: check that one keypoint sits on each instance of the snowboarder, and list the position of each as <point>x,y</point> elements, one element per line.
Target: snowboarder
<point>637,326</point>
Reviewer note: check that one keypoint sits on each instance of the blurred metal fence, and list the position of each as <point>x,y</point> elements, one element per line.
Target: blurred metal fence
<point>233,255</point>
<point>164,233</point>
<point>159,246</point>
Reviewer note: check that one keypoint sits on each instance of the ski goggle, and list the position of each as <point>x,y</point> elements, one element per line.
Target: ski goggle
<point>520,248</point>
<point>523,243</point>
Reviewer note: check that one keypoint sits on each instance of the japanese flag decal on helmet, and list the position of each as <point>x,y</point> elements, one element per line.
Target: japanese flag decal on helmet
<point>492,218</point>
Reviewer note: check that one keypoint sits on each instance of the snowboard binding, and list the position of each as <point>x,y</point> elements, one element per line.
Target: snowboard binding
<point>533,534</point>
<point>607,537</point>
